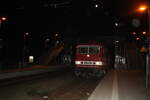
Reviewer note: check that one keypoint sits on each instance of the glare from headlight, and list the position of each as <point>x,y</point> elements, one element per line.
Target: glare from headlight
<point>77,62</point>
<point>99,63</point>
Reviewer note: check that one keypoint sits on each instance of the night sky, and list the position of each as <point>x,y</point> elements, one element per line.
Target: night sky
<point>75,14</point>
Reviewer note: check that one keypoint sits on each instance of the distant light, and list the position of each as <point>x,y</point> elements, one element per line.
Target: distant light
<point>117,41</point>
<point>96,5</point>
<point>56,34</point>
<point>144,33</point>
<point>116,24</point>
<point>134,33</point>
<point>137,38</point>
<point>3,18</point>
<point>47,39</point>
<point>31,59</point>
<point>57,42</point>
<point>142,8</point>
<point>26,33</point>
<point>45,97</point>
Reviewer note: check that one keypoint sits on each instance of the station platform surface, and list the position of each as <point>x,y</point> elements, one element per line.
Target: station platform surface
<point>122,85</point>
<point>31,70</point>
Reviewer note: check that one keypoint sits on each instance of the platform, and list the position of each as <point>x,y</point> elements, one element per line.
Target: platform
<point>122,85</point>
<point>32,70</point>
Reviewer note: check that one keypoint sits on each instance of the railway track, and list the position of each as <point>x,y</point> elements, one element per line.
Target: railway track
<point>62,85</point>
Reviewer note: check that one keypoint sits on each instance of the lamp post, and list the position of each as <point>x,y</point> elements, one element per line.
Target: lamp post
<point>148,56</point>
<point>1,20</point>
<point>1,39</point>
<point>147,8</point>
<point>24,48</point>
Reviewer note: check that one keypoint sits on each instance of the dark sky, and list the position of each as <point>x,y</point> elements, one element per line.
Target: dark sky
<point>120,5</point>
<point>41,16</point>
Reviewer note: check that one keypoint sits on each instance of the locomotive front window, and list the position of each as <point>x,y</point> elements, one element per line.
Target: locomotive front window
<point>83,50</point>
<point>88,50</point>
<point>93,50</point>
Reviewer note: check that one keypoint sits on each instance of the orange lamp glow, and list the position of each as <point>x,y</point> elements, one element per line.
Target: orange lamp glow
<point>142,8</point>
<point>144,33</point>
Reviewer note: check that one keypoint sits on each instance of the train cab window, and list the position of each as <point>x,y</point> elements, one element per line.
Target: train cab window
<point>83,50</point>
<point>93,50</point>
<point>88,50</point>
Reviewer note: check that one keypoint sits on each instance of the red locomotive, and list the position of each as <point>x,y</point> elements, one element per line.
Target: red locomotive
<point>90,59</point>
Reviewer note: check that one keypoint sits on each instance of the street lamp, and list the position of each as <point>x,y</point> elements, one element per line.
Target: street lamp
<point>134,33</point>
<point>144,33</point>
<point>24,48</point>
<point>1,39</point>
<point>1,20</point>
<point>96,6</point>
<point>142,9</point>
<point>56,34</point>
<point>137,38</point>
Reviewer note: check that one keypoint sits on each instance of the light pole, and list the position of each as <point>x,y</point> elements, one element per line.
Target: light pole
<point>1,40</point>
<point>24,48</point>
<point>1,20</point>
<point>148,55</point>
<point>147,8</point>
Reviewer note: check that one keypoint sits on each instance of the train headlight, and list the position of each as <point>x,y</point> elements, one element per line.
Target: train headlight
<point>77,62</point>
<point>99,63</point>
